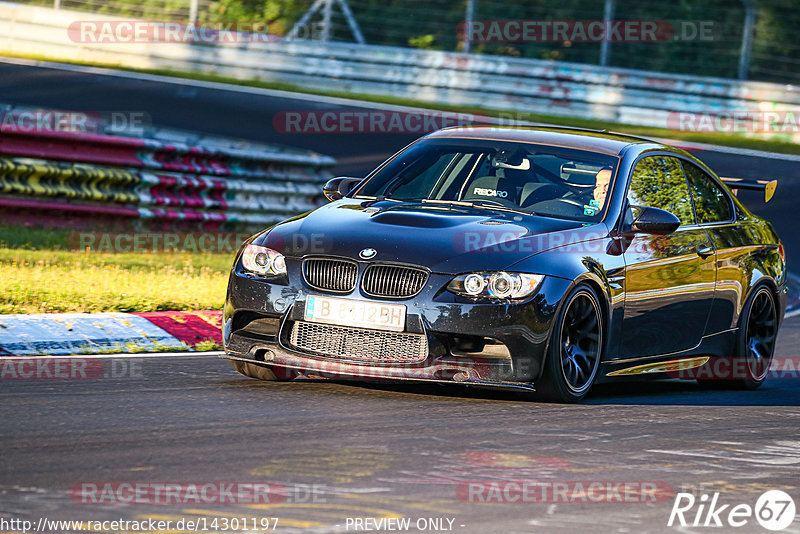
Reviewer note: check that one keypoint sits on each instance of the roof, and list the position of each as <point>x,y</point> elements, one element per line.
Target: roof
<point>591,140</point>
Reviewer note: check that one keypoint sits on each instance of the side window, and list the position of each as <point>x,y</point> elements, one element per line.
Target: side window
<point>711,203</point>
<point>658,182</point>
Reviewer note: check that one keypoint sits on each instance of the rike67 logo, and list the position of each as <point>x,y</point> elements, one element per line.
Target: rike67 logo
<point>773,510</point>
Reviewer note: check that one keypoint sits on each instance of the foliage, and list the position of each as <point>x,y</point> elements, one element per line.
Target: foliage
<point>439,25</point>
<point>424,42</point>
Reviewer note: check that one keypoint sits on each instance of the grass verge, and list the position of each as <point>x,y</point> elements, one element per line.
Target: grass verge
<point>39,275</point>
<point>715,138</point>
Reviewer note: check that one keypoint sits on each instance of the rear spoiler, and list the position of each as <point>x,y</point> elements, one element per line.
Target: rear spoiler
<point>752,185</point>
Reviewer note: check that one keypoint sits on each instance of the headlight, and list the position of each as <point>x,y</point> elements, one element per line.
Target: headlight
<point>500,285</point>
<point>263,261</point>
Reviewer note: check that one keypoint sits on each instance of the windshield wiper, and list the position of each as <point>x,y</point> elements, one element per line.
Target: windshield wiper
<point>380,198</point>
<point>463,203</point>
<point>480,204</point>
<point>493,206</point>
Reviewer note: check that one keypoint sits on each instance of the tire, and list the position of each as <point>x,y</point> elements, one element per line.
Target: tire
<point>253,371</point>
<point>575,349</point>
<point>755,343</point>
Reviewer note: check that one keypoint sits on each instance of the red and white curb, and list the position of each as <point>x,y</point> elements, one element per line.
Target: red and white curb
<point>98,333</point>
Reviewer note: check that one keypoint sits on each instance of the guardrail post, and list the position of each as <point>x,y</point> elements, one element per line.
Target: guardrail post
<point>304,20</point>
<point>468,24</point>
<point>605,46</point>
<point>351,21</point>
<point>327,12</point>
<point>193,6</point>
<point>747,38</point>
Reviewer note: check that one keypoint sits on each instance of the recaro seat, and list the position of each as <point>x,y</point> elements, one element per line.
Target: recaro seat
<point>493,183</point>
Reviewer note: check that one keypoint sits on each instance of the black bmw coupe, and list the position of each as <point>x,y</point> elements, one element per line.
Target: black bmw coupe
<point>542,259</point>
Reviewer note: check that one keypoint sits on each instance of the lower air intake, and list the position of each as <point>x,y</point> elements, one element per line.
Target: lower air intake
<point>358,344</point>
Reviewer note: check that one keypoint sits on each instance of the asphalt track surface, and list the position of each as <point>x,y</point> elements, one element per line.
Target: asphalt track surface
<point>372,451</point>
<point>387,451</point>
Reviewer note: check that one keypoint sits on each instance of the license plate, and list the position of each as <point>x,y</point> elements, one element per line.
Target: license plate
<point>358,313</point>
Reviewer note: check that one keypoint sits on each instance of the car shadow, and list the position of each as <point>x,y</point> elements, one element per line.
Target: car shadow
<point>776,392</point>
<point>654,392</point>
<point>667,392</point>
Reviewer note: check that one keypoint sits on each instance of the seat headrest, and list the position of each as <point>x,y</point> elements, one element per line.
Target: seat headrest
<point>489,187</point>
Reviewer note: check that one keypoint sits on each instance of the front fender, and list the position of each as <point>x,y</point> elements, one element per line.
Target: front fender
<point>592,262</point>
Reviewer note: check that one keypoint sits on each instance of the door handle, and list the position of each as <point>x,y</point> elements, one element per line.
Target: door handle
<point>705,252</point>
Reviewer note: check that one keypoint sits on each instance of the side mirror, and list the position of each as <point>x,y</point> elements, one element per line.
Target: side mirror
<point>655,221</point>
<point>337,188</point>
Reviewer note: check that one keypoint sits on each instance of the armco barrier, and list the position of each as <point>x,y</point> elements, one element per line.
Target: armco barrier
<point>166,176</point>
<point>502,83</point>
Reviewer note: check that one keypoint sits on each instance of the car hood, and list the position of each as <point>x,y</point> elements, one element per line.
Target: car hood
<point>444,239</point>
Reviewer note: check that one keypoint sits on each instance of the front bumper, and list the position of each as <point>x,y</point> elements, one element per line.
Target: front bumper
<point>489,344</point>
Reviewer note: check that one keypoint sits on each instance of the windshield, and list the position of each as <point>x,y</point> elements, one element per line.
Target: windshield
<point>543,180</point>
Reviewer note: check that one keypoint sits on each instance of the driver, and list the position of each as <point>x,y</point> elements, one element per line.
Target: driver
<point>602,180</point>
<point>599,193</point>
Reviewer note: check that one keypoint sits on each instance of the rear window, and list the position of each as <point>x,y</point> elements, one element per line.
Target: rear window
<point>711,203</point>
